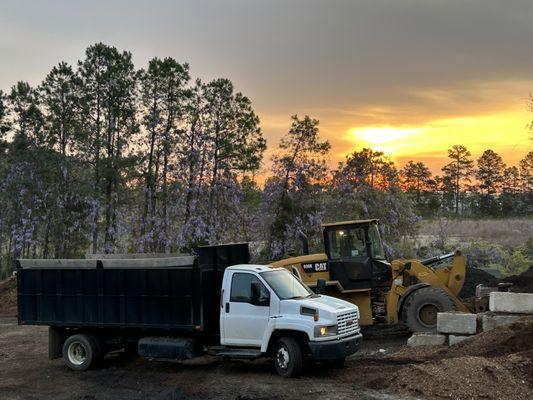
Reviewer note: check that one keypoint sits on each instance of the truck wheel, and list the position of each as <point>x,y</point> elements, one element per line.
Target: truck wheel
<point>80,352</point>
<point>288,358</point>
<point>420,309</point>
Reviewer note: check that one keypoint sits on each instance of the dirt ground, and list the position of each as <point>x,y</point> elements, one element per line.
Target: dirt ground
<point>26,373</point>
<point>493,365</point>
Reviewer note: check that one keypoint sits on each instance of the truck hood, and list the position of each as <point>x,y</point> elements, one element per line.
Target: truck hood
<point>328,303</point>
<point>328,307</point>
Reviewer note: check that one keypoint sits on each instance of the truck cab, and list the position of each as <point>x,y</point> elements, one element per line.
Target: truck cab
<point>268,309</point>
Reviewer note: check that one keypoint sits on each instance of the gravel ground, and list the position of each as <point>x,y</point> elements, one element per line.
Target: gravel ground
<point>26,373</point>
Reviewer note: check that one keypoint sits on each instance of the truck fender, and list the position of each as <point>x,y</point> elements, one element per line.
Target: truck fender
<point>56,338</point>
<point>406,294</point>
<point>300,335</point>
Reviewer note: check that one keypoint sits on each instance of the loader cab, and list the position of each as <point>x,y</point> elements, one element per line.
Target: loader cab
<point>355,254</point>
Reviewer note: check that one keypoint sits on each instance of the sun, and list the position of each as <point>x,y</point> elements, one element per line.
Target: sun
<point>383,138</point>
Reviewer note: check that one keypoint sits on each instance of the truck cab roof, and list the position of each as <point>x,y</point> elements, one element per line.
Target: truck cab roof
<point>252,268</point>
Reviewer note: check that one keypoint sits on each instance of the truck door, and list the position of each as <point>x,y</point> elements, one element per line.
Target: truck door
<point>246,311</point>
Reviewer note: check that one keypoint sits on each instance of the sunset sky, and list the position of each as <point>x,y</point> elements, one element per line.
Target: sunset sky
<point>408,77</point>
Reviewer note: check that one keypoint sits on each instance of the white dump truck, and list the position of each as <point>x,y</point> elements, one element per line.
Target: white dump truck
<point>182,307</point>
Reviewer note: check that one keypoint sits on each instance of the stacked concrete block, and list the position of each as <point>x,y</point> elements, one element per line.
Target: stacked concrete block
<point>455,322</point>
<point>455,327</point>
<point>458,326</point>
<point>515,303</point>
<point>490,320</point>
<point>426,339</point>
<point>454,339</point>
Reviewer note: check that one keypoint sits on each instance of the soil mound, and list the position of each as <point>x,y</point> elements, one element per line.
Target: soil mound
<point>474,277</point>
<point>496,364</point>
<point>8,297</point>
<point>522,283</point>
<point>465,378</point>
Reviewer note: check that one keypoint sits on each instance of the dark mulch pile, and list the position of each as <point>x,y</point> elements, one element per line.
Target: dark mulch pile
<point>8,297</point>
<point>474,277</point>
<point>522,283</point>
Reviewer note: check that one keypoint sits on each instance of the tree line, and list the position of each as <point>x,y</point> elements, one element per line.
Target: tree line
<point>104,157</point>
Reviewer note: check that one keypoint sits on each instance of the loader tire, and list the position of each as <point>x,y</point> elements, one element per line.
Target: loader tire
<point>420,309</point>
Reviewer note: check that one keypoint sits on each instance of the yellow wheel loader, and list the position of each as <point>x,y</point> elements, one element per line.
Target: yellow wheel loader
<point>353,267</point>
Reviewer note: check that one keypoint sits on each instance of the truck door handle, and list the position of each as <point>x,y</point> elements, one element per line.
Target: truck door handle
<point>227,307</point>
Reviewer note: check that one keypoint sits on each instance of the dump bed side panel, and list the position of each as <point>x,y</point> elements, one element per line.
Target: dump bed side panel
<point>170,293</point>
<point>163,297</point>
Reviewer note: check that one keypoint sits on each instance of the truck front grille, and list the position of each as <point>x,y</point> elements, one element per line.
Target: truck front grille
<point>348,323</point>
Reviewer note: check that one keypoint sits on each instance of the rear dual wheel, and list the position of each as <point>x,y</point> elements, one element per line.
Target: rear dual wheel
<point>81,352</point>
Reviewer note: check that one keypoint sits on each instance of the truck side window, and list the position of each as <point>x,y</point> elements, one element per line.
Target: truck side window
<point>241,289</point>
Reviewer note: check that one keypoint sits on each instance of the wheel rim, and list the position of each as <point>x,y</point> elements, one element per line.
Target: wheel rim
<point>77,354</point>
<point>427,314</point>
<point>282,358</point>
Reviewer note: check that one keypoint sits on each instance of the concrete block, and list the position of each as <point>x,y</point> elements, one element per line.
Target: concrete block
<point>454,339</point>
<point>491,321</point>
<point>426,339</point>
<point>520,303</point>
<point>454,322</point>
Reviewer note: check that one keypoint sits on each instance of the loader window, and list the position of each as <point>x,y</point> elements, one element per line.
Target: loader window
<point>377,245</point>
<point>347,243</point>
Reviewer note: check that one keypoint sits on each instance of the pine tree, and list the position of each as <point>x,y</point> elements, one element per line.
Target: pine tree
<point>489,174</point>
<point>109,84</point>
<point>163,96</point>
<point>66,208</point>
<point>458,172</point>
<point>369,168</point>
<point>292,194</point>
<point>416,178</point>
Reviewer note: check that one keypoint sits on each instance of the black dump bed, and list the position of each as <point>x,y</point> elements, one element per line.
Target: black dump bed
<point>179,293</point>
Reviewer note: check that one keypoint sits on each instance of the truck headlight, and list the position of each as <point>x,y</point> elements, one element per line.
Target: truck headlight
<point>326,330</point>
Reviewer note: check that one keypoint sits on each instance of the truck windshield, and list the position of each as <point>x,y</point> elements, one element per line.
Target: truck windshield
<point>377,246</point>
<point>285,285</point>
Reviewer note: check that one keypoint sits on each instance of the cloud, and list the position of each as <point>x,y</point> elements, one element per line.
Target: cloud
<point>405,64</point>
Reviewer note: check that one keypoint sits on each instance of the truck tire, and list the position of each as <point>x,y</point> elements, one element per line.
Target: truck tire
<point>288,358</point>
<point>81,352</point>
<point>420,309</point>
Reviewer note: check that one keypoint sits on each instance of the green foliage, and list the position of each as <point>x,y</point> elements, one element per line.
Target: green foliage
<point>508,260</point>
<point>103,156</point>
<point>368,168</point>
<point>293,196</point>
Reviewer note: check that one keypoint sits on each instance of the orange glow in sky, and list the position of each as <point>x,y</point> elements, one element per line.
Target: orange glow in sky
<point>505,133</point>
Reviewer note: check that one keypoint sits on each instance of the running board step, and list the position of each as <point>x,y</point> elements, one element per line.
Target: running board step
<point>238,353</point>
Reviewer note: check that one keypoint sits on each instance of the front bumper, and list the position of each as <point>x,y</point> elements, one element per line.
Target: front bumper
<point>335,349</point>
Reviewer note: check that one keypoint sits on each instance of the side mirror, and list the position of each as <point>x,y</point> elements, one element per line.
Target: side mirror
<point>256,292</point>
<point>320,286</point>
<point>256,299</point>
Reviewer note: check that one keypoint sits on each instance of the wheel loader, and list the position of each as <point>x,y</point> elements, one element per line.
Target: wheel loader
<point>353,267</point>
